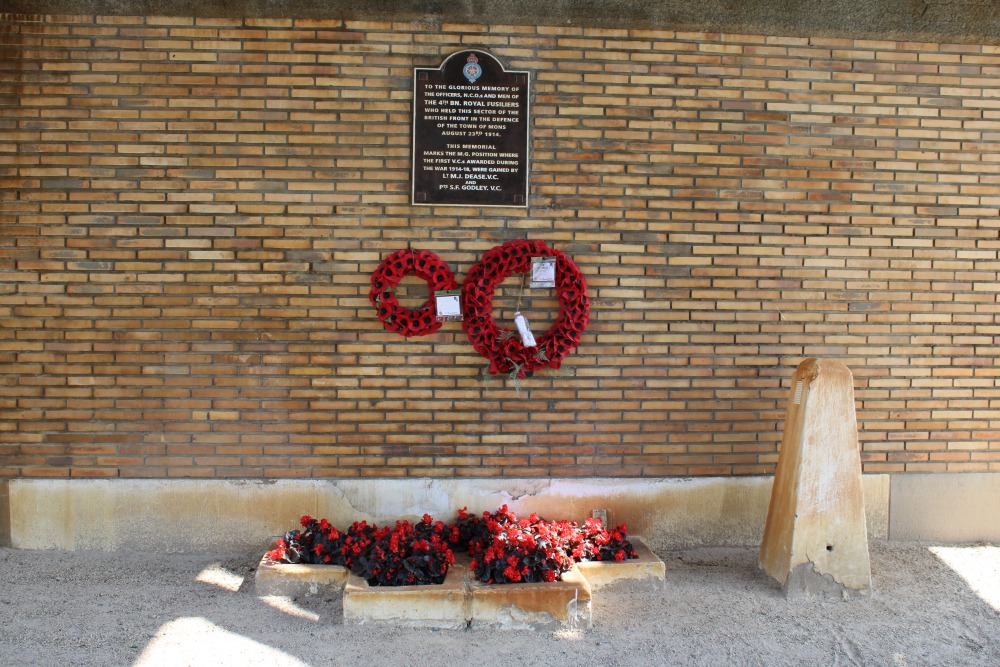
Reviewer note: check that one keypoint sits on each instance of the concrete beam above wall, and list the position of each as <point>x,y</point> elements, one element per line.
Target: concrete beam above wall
<point>928,20</point>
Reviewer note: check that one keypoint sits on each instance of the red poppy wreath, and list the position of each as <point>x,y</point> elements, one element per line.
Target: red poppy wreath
<point>386,277</point>
<point>504,348</point>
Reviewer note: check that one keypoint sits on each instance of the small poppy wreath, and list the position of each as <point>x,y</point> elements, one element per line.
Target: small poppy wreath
<point>394,317</point>
<point>504,348</point>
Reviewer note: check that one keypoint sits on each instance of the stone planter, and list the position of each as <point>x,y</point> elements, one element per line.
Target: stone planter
<point>462,601</point>
<point>446,605</point>
<point>296,581</point>
<point>646,571</point>
<point>544,606</point>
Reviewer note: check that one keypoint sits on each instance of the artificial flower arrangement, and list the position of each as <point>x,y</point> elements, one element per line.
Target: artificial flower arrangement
<point>507,352</point>
<point>517,356</point>
<point>502,548</point>
<point>421,321</point>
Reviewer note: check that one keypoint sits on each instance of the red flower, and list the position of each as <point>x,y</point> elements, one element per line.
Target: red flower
<point>278,553</point>
<point>305,520</point>
<point>502,549</point>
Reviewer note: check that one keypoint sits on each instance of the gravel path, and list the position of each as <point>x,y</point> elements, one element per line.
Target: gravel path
<point>86,608</point>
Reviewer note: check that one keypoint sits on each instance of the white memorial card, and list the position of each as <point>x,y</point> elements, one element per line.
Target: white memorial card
<point>448,304</point>
<point>543,272</point>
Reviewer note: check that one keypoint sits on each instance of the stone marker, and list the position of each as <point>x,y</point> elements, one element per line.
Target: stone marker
<point>815,541</point>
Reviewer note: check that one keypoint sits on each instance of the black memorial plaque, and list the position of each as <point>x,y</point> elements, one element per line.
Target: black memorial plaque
<point>470,133</point>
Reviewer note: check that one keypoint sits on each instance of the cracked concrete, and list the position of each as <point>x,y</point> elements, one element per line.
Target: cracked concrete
<point>806,581</point>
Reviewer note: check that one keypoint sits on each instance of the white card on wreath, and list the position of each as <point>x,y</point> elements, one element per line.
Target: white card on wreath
<point>543,272</point>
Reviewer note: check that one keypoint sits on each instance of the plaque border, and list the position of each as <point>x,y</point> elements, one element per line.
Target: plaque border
<point>413,134</point>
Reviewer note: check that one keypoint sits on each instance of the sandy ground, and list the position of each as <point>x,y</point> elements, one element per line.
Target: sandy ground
<point>85,608</point>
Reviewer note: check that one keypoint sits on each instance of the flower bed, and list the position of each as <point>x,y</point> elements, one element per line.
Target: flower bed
<point>502,548</point>
<point>404,555</point>
<point>505,549</point>
<point>530,553</point>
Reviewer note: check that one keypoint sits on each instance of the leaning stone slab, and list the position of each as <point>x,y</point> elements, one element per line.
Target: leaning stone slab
<point>544,606</point>
<point>444,606</point>
<point>297,581</point>
<point>815,540</point>
<point>647,570</point>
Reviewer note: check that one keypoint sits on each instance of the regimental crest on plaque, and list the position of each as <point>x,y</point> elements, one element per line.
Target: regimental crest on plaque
<point>472,70</point>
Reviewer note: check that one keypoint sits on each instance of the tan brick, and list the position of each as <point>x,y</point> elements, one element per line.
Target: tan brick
<point>188,262</point>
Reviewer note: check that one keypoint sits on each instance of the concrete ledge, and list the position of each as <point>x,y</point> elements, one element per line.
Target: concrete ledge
<point>444,606</point>
<point>946,508</point>
<point>646,570</point>
<point>175,515</point>
<point>5,513</point>
<point>297,580</point>
<point>546,606</point>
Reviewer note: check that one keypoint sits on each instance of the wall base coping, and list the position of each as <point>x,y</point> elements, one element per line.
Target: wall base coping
<point>674,513</point>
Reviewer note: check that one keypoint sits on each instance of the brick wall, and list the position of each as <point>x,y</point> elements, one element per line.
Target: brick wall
<point>191,209</point>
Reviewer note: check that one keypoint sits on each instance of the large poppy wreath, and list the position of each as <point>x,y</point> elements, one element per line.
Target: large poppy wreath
<point>386,277</point>
<point>504,348</point>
